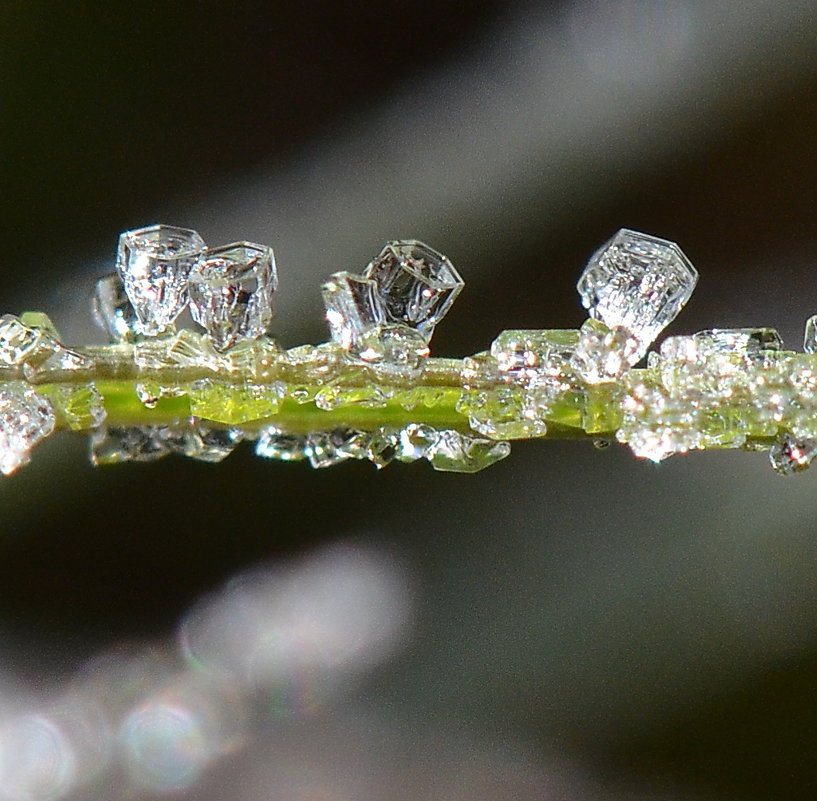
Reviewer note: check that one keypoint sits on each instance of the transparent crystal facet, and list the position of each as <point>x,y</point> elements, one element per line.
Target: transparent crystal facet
<point>26,418</point>
<point>791,455</point>
<point>231,289</point>
<point>353,308</point>
<point>459,453</point>
<point>328,448</point>
<point>113,311</point>
<point>18,342</point>
<point>383,447</point>
<point>810,338</point>
<point>114,445</point>
<point>201,442</point>
<point>275,443</point>
<point>415,283</point>
<point>394,349</point>
<point>154,264</point>
<point>638,282</point>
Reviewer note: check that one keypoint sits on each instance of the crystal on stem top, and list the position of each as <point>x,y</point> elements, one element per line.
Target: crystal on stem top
<point>154,264</point>
<point>637,282</point>
<point>231,289</point>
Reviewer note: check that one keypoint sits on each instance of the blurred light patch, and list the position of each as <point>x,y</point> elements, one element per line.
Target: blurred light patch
<point>37,761</point>
<point>297,631</point>
<point>630,41</point>
<point>169,739</point>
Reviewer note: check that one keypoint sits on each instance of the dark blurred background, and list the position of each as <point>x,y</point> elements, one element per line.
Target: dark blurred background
<point>583,623</point>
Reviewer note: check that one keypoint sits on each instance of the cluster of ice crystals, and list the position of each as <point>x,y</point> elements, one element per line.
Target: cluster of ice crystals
<point>160,268</point>
<point>603,355</point>
<point>196,440</point>
<point>714,388</point>
<point>26,418</point>
<point>231,289</point>
<point>386,316</point>
<point>637,282</point>
<point>446,450</point>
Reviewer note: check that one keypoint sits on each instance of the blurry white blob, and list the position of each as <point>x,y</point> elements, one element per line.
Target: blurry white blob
<point>628,41</point>
<point>168,740</point>
<point>295,632</point>
<point>37,761</point>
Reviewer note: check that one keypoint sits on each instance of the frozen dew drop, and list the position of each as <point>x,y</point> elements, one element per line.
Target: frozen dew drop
<point>522,355</point>
<point>275,443</point>
<point>394,350</point>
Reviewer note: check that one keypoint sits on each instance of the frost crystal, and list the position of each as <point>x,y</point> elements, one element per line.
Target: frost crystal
<point>113,311</point>
<point>231,289</point>
<point>459,453</point>
<point>637,282</point>
<point>154,264</point>
<point>790,455</point>
<point>26,418</point>
<point>353,309</point>
<point>416,285</point>
<point>275,443</point>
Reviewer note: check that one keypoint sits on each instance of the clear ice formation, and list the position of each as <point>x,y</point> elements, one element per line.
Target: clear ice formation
<point>386,316</point>
<point>637,282</point>
<point>231,289</point>
<point>26,418</point>
<point>416,285</point>
<point>113,311</point>
<point>722,388</point>
<point>154,264</point>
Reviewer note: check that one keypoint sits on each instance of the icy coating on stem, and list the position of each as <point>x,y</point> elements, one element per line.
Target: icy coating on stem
<point>373,391</point>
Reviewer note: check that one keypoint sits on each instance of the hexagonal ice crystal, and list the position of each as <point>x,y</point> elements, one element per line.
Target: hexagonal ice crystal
<point>154,264</point>
<point>26,417</point>
<point>415,283</point>
<point>231,290</point>
<point>637,282</point>
<point>353,308</point>
<point>112,309</point>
